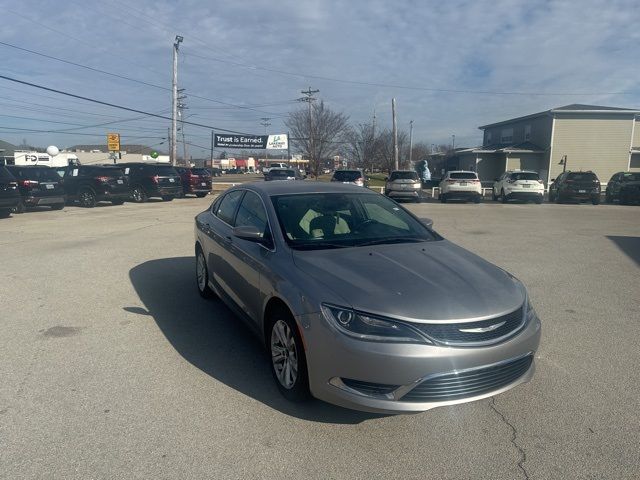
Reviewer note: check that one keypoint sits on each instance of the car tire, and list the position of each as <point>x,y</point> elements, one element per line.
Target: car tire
<point>286,352</point>
<point>539,200</point>
<point>201,194</point>
<point>138,194</point>
<point>503,197</point>
<point>20,208</point>
<point>477,199</point>
<point>167,198</point>
<point>552,197</point>
<point>117,202</point>
<point>443,198</point>
<point>87,198</point>
<point>57,206</point>
<point>202,275</point>
<point>558,198</point>
<point>494,197</point>
<point>5,212</point>
<point>595,200</point>
<point>608,198</point>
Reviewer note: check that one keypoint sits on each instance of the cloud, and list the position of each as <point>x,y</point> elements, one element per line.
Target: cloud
<point>490,46</point>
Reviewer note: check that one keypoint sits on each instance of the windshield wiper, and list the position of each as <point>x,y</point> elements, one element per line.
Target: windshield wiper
<point>382,241</point>
<point>318,245</point>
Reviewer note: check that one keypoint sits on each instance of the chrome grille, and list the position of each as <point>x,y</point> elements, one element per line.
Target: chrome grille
<point>469,383</point>
<point>453,334</point>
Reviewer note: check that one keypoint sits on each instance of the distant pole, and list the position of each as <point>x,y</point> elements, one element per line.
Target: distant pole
<point>174,103</point>
<point>288,148</point>
<point>169,139</point>
<point>410,143</point>
<point>453,142</point>
<point>211,156</point>
<point>395,134</point>
<point>373,139</point>
<point>308,97</point>
<point>265,123</point>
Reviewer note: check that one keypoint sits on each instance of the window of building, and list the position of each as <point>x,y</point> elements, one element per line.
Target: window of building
<point>506,135</point>
<point>488,141</point>
<point>527,133</point>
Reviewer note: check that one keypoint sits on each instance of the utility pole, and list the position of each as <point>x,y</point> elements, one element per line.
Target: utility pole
<point>410,143</point>
<point>453,142</point>
<point>395,134</point>
<point>308,97</point>
<point>211,156</point>
<point>373,135</point>
<point>169,140</point>
<point>265,123</point>
<point>174,101</point>
<point>181,108</point>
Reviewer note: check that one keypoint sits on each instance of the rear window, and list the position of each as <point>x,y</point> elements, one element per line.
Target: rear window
<point>4,173</point>
<point>463,175</point>
<point>582,177</point>
<point>524,176</point>
<point>164,171</point>
<point>102,171</point>
<point>39,174</point>
<point>403,176</point>
<point>347,175</point>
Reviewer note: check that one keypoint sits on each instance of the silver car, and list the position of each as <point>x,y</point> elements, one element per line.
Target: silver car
<point>403,184</point>
<point>359,303</point>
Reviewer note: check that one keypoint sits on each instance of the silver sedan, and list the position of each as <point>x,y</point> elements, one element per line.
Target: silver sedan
<point>360,303</point>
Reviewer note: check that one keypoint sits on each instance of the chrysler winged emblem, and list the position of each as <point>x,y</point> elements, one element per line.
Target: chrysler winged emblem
<point>489,328</point>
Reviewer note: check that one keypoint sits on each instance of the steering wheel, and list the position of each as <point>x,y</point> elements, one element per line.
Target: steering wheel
<point>365,223</point>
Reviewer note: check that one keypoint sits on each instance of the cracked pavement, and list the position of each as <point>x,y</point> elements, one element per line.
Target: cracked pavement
<point>113,367</point>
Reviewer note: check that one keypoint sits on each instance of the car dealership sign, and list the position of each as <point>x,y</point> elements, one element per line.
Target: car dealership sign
<point>272,142</point>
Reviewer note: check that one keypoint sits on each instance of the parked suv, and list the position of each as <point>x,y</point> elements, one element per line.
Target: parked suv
<point>38,185</point>
<point>355,177</point>
<point>624,187</point>
<point>196,181</point>
<point>575,186</point>
<point>9,193</point>
<point>403,184</point>
<point>460,185</point>
<point>518,185</point>
<point>90,184</point>
<point>152,180</point>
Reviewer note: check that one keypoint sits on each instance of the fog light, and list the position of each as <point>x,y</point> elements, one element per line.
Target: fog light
<point>345,317</point>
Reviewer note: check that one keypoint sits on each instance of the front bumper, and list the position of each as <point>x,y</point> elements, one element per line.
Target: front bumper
<point>449,193</point>
<point>332,357</point>
<point>524,194</point>
<point>413,193</point>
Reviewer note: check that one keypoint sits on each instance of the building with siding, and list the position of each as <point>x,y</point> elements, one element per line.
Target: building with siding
<point>605,140</point>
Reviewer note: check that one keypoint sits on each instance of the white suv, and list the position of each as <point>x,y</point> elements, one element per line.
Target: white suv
<point>461,185</point>
<point>518,185</point>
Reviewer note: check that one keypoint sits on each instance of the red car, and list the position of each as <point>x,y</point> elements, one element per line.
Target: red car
<point>195,180</point>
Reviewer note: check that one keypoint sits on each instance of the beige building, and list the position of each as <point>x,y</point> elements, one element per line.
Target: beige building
<point>605,140</point>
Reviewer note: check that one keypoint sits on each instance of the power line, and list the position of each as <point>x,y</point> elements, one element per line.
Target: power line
<point>114,105</point>
<point>100,134</point>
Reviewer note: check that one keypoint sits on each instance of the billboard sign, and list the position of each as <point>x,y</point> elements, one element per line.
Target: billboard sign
<point>261,142</point>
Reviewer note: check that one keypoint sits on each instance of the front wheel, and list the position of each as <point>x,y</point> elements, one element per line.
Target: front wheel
<point>288,362</point>
<point>5,212</point>
<point>538,200</point>
<point>476,199</point>
<point>595,200</point>
<point>167,198</point>
<point>20,208</point>
<point>87,198</point>
<point>138,194</point>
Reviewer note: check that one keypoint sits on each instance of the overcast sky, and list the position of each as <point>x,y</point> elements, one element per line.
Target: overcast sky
<point>451,65</point>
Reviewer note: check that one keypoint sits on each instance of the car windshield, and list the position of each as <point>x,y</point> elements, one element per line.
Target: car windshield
<point>335,220</point>
<point>463,175</point>
<point>631,177</point>
<point>403,176</point>
<point>347,175</point>
<point>525,176</point>
<point>582,177</point>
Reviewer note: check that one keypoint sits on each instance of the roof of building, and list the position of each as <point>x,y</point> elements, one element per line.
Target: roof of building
<point>574,107</point>
<point>524,147</point>
<point>7,147</point>
<point>141,149</point>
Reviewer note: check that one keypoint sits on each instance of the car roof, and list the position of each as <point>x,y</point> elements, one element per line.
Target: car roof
<point>521,171</point>
<point>461,171</point>
<point>290,188</point>
<point>412,171</point>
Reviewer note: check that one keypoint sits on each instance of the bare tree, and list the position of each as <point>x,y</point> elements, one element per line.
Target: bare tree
<point>385,152</point>
<point>318,134</point>
<point>361,146</point>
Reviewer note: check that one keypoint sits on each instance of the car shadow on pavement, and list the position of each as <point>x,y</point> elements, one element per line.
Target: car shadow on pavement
<point>209,336</point>
<point>630,246</point>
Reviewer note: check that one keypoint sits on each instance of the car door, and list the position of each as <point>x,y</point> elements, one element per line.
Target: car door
<point>247,259</point>
<point>219,232</point>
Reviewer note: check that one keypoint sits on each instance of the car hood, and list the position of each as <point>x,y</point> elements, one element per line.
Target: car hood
<point>423,281</point>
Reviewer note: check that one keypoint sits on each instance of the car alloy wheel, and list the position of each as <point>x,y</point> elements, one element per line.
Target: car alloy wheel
<point>284,354</point>
<point>138,194</point>
<point>87,198</point>
<point>202,275</point>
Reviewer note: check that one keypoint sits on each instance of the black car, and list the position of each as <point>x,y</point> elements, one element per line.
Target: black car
<point>9,193</point>
<point>90,184</point>
<point>38,186</point>
<point>575,186</point>
<point>624,187</point>
<point>149,180</point>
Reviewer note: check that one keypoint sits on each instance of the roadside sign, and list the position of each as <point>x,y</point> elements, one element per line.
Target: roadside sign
<point>113,142</point>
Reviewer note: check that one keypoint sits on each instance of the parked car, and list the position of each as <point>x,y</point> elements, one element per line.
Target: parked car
<point>90,184</point>
<point>575,186</point>
<point>38,186</point>
<point>623,187</point>
<point>332,279</point>
<point>9,193</point>
<point>283,174</point>
<point>214,171</point>
<point>150,180</point>
<point>266,169</point>
<point>356,177</point>
<point>403,184</point>
<point>196,181</point>
<point>518,185</point>
<point>460,185</point>
<point>235,171</point>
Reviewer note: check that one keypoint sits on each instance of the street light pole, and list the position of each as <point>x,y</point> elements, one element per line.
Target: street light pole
<point>410,143</point>
<point>395,134</point>
<point>174,102</point>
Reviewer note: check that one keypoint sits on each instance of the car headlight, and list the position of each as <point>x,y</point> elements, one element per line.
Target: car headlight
<point>371,328</point>
<point>530,313</point>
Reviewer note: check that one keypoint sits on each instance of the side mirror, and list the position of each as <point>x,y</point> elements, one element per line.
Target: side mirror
<point>427,222</point>
<point>553,179</point>
<point>249,232</point>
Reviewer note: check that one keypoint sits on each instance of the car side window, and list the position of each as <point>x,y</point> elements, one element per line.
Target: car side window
<point>227,206</point>
<point>251,212</point>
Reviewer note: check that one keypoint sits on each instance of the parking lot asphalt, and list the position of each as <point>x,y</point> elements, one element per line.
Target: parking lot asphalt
<point>113,366</point>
